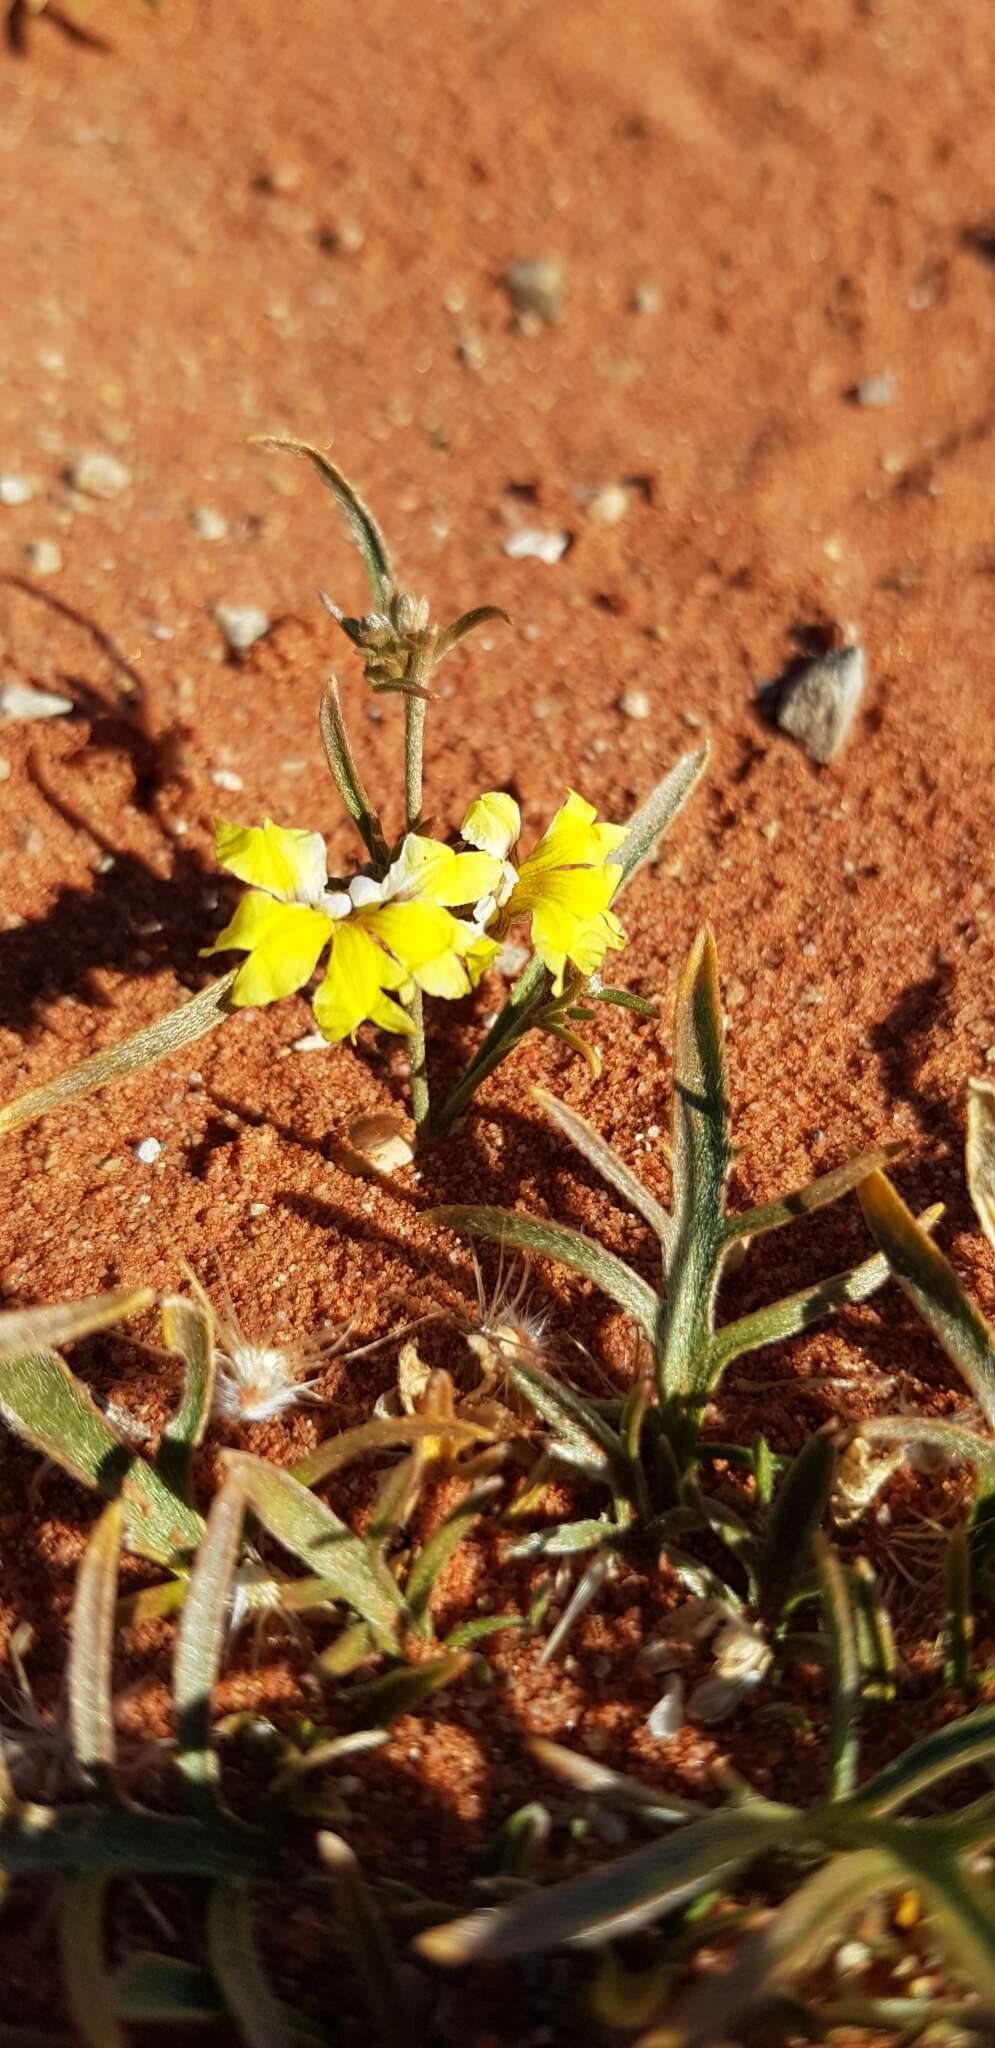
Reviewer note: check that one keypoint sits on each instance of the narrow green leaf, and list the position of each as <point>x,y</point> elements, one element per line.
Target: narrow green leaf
<point>85,1978</point>
<point>700,1163</point>
<point>620,1896</point>
<point>794,1941</point>
<point>798,1312</point>
<point>154,1042</point>
<point>539,1239</point>
<point>187,1327</point>
<point>42,1402</point>
<point>584,1438</point>
<point>931,1283</point>
<point>565,1539</point>
<point>346,776</point>
<point>201,1637</point>
<point>238,1972</point>
<point>657,813</point>
<point>958,1621</point>
<point>606,1161</point>
<point>844,1670</point>
<point>100,1841</point>
<point>369,1439</point>
<point>434,1555</point>
<point>309,1529</point>
<point>600,1783</point>
<point>362,525</point>
<point>962,1743</point>
<point>47,1329</point>
<point>816,1194</point>
<point>791,1524</point>
<point>954,1439</point>
<point>980,1153</point>
<point>370,1949</point>
<point>90,1683</point>
<point>152,1990</point>
<point>481,615</point>
<point>406,1689</point>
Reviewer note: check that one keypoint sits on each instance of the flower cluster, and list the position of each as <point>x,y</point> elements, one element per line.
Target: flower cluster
<point>390,935</point>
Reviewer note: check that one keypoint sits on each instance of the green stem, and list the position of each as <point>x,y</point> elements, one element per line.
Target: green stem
<point>414,754</point>
<point>504,1034</point>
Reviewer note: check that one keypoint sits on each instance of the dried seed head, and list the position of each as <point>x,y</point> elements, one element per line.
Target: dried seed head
<point>257,1378</point>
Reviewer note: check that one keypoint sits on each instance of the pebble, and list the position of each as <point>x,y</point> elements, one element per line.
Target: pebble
<point>148,1151</point>
<point>609,505</point>
<point>646,297</point>
<point>380,1138</point>
<point>21,701</point>
<point>533,543</point>
<point>310,1041</point>
<point>635,704</point>
<point>875,391</point>
<point>226,778</point>
<point>208,524</point>
<point>99,475</point>
<point>44,557</point>
<point>15,490</point>
<point>537,285</point>
<point>242,625</point>
<point>821,703</point>
<point>5,769</point>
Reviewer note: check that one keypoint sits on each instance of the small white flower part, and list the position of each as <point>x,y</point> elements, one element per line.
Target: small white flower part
<point>257,1378</point>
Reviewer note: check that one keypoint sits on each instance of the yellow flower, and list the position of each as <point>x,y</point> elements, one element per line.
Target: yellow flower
<point>387,937</point>
<point>565,886</point>
<point>287,919</point>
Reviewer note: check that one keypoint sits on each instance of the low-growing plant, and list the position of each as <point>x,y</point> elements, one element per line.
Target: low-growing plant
<point>648,1449</point>
<point>897,1837</point>
<point>419,918</point>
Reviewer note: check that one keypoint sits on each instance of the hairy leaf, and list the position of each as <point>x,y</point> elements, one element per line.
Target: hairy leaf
<point>90,1684</point>
<point>700,1158</point>
<point>657,813</point>
<point>481,615</point>
<point>346,776</point>
<point>238,1971</point>
<point>406,1689</point>
<point>611,1167</point>
<point>187,1327</point>
<point>309,1529</point>
<point>154,1042</point>
<point>362,525</point>
<point>981,1153</point>
<point>368,1439</point>
<point>793,1519</point>
<point>47,1329</point>
<point>85,1977</point>
<point>816,1194</point>
<point>931,1283</point>
<point>540,1239</point>
<point>369,1947</point>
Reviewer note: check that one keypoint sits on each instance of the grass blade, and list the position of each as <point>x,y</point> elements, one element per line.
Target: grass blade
<point>362,525</point>
<point>42,1402</point>
<point>816,1194</point>
<point>309,1529</point>
<point>187,1328</point>
<point>980,1153</point>
<point>656,815</point>
<point>154,1042</point>
<point>90,1683</point>
<point>47,1329</point>
<point>794,1941</point>
<point>700,1159</point>
<point>606,1161</point>
<point>368,1439</point>
<point>931,1283</point>
<point>793,1520</point>
<point>201,1637</point>
<point>539,1239</point>
<point>844,1670</point>
<point>369,1947</point>
<point>619,1896</point>
<point>346,776</point>
<point>238,1972</point>
<point>968,1741</point>
<point>86,1981</point>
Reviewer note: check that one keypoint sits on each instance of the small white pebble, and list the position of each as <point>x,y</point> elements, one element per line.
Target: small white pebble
<point>875,391</point>
<point>99,475</point>
<point>226,778</point>
<point>5,769</point>
<point>15,490</point>
<point>311,1041</point>
<point>536,543</point>
<point>208,524</point>
<point>148,1151</point>
<point>258,1208</point>
<point>635,704</point>
<point>609,505</point>
<point>242,625</point>
<point>21,702</point>
<point>44,557</point>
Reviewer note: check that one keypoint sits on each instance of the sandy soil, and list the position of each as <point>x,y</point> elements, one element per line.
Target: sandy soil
<point>226,221</point>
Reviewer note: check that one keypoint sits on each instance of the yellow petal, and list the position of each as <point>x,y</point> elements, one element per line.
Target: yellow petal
<point>492,823</point>
<point>283,941</point>
<point>444,976</point>
<point>468,877</point>
<point>583,892</point>
<point>353,986</point>
<point>573,839</point>
<point>414,932</point>
<point>558,936</point>
<point>288,864</point>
